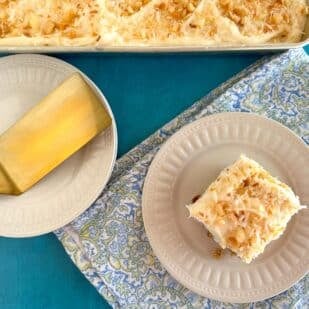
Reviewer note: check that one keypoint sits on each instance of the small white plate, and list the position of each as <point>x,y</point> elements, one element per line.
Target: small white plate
<point>72,187</point>
<point>184,167</point>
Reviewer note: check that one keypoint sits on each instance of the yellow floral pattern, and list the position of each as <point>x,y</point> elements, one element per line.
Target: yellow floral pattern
<point>108,242</point>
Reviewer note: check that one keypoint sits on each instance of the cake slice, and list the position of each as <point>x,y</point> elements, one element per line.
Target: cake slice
<point>245,208</point>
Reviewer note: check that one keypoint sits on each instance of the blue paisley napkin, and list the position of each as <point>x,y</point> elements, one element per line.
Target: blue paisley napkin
<point>108,242</point>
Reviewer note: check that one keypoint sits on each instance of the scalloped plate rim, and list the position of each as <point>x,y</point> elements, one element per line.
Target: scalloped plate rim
<point>150,180</point>
<point>20,59</point>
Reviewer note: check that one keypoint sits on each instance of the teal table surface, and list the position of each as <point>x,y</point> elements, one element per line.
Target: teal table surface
<point>144,91</point>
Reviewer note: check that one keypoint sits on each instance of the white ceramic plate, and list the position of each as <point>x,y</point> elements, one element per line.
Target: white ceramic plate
<point>187,163</point>
<point>74,185</point>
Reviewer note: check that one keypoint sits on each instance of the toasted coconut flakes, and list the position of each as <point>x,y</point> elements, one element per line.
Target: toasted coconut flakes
<point>255,212</point>
<point>156,21</point>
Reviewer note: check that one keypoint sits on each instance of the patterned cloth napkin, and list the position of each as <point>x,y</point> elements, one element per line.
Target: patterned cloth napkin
<point>108,242</point>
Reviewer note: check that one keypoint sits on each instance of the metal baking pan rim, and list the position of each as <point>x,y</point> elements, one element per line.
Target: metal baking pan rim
<point>151,48</point>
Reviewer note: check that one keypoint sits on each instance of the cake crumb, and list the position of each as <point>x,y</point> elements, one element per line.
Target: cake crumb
<point>232,253</point>
<point>195,198</point>
<point>209,235</point>
<point>217,253</point>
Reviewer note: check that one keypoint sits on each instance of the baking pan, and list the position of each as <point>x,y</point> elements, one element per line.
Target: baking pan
<point>160,48</point>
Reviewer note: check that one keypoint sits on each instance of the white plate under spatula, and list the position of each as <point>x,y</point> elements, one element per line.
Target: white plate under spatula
<point>184,167</point>
<point>72,187</point>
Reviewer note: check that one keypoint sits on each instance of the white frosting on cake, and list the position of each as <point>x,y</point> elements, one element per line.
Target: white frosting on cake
<point>245,208</point>
<point>150,22</point>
